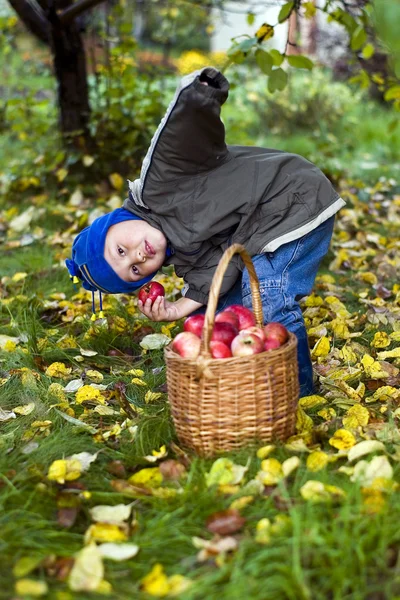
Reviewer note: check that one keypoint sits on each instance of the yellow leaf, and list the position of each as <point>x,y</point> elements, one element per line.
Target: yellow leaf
<point>304,423</point>
<point>137,372</point>
<point>271,472</point>
<point>242,502</point>
<point>368,277</point>
<point>87,160</point>
<point>105,532</point>
<point>383,394</point>
<point>116,181</point>
<point>88,570</point>
<point>58,369</point>
<point>313,301</point>
<point>152,396</point>
<point>225,472</point>
<point>321,348</point>
<point>389,354</point>
<point>156,582</point>
<point>290,464</point>
<point>95,376</point>
<point>31,587</point>
<point>349,391</point>
<point>372,367</point>
<point>87,393</point>
<point>311,401</point>
<point>61,174</point>
<point>348,355</point>
<point>381,340</point>
<point>64,470</point>
<point>265,32</point>
<point>316,461</point>
<point>356,416</point>
<point>147,477</point>
<point>316,491</point>
<point>327,413</point>
<point>263,531</point>
<point>309,9</point>
<point>25,410</point>
<point>265,451</point>
<point>340,329</point>
<point>138,381</point>
<point>342,439</point>
<point>56,390</point>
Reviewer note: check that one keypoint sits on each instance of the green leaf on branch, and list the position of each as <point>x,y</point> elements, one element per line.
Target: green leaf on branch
<point>309,9</point>
<point>264,61</point>
<point>277,57</point>
<point>285,11</point>
<point>344,18</point>
<point>393,93</point>
<point>300,62</point>
<point>277,80</point>
<point>247,45</point>
<point>362,78</point>
<point>358,38</point>
<point>368,51</point>
<point>250,18</point>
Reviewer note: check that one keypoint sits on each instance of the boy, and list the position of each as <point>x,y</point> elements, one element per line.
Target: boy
<point>195,197</point>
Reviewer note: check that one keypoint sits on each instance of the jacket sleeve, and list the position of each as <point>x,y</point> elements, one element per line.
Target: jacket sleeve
<point>198,280</point>
<point>191,137</point>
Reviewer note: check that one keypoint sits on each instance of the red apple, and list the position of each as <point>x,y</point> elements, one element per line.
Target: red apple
<point>220,350</point>
<point>151,290</point>
<point>194,324</point>
<point>276,331</point>
<point>227,316</point>
<point>245,345</point>
<point>187,344</point>
<point>271,344</point>
<point>224,332</point>
<point>245,316</point>
<point>259,331</point>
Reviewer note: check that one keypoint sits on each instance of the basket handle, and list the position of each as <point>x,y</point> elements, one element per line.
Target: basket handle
<point>216,287</point>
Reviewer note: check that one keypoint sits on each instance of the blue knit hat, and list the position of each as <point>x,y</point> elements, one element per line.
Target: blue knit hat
<point>88,263</point>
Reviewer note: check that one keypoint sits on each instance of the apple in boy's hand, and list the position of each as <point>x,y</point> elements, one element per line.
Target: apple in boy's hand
<point>245,345</point>
<point>276,331</point>
<point>227,316</point>
<point>224,332</point>
<point>194,324</point>
<point>245,316</point>
<point>271,344</point>
<point>220,350</point>
<point>186,344</point>
<point>151,290</point>
<point>256,330</point>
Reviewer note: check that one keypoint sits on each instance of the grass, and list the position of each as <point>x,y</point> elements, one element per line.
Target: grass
<point>342,549</point>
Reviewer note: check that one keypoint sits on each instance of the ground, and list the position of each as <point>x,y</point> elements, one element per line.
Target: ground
<point>86,425</point>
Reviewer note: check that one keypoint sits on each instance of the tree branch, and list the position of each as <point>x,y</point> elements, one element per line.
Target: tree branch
<point>33,17</point>
<point>67,15</point>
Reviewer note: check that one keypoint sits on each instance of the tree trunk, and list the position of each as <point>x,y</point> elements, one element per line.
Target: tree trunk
<point>70,69</point>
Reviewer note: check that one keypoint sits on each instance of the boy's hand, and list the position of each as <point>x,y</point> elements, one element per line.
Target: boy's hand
<point>159,310</point>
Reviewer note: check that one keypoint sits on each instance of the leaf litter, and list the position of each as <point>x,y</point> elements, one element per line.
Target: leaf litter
<point>101,381</point>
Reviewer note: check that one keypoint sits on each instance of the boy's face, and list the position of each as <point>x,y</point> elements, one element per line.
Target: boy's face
<point>134,249</point>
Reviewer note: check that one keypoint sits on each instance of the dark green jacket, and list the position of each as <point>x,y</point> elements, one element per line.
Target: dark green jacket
<point>205,195</point>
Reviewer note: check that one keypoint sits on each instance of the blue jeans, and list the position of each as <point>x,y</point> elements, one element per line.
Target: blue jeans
<point>285,276</point>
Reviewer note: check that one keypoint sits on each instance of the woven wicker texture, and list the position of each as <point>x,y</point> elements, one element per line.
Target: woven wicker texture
<point>220,405</point>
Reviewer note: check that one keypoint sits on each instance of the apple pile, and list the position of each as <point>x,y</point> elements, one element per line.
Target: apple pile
<point>235,333</point>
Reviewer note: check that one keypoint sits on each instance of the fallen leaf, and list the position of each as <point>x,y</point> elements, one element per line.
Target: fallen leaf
<point>225,522</point>
<point>88,571</point>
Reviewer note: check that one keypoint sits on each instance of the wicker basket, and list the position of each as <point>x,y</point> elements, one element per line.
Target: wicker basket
<point>219,405</point>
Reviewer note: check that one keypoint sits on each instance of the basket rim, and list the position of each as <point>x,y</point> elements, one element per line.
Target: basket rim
<point>288,345</point>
